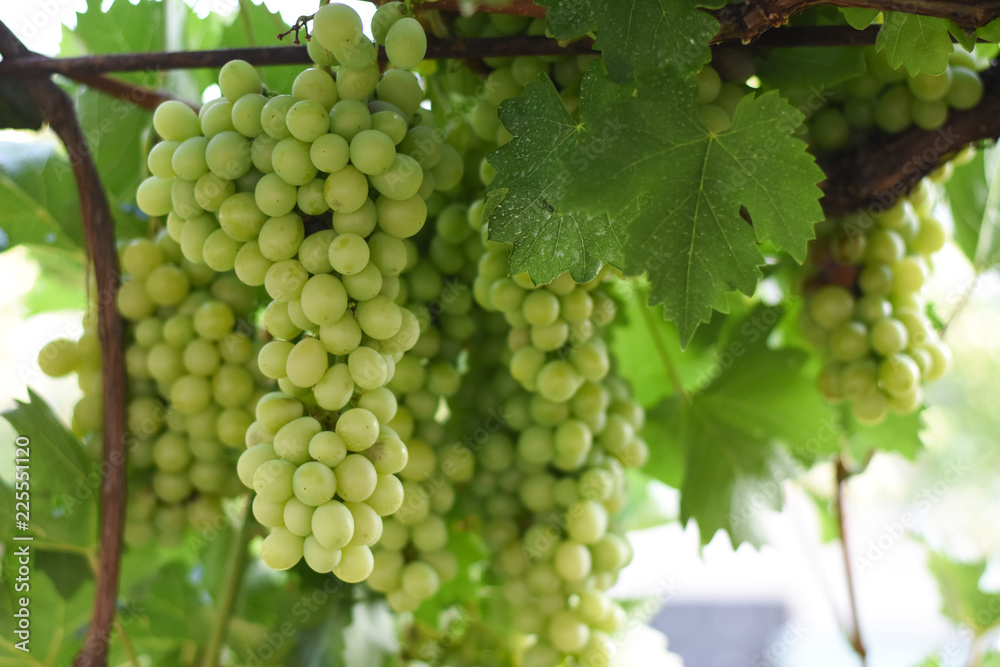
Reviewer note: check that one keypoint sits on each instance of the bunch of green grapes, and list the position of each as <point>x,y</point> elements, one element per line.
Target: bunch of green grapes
<point>866,312</point>
<point>352,155</point>
<point>413,558</point>
<point>573,429</point>
<point>890,100</point>
<point>192,384</point>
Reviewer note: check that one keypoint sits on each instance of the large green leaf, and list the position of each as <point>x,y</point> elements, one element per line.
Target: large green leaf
<point>968,192</point>
<point>38,197</point>
<point>65,483</point>
<point>647,349</point>
<point>812,67</point>
<point>56,621</point>
<point>691,185</point>
<point>918,43</point>
<point>521,202</point>
<point>638,34</point>
<point>961,598</point>
<point>730,431</point>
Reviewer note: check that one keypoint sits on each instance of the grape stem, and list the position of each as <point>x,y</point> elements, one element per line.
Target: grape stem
<point>236,562</point>
<point>854,635</point>
<point>99,233</point>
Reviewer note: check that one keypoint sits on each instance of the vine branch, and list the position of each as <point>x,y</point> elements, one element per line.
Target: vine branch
<point>99,233</point>
<point>854,636</point>
<point>748,20</point>
<point>876,173</point>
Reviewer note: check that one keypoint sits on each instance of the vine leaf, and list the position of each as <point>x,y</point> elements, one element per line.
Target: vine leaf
<point>530,182</point>
<point>919,43</point>
<point>685,188</point>
<point>728,433</point>
<point>859,18</point>
<point>64,483</point>
<point>58,618</point>
<point>961,598</point>
<point>637,34</point>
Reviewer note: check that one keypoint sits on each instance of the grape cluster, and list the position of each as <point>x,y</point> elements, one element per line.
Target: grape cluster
<point>413,558</point>
<point>866,312</point>
<point>352,156</point>
<point>890,100</point>
<point>192,384</point>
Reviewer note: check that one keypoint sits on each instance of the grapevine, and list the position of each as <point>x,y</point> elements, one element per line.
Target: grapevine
<point>390,323</point>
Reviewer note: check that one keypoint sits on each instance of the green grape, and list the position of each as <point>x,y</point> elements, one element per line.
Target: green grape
<point>361,222</point>
<point>201,357</point>
<point>333,525</point>
<point>273,196</point>
<point>176,121</point>
<point>586,521</point>
<point>929,87</point>
<point>240,217</point>
<point>285,280</point>
<point>280,237</point>
<point>281,549</point>
<point>372,152</point>
<point>297,517</point>
<point>273,357</point>
<point>324,299</point>
<point>929,115</point>
<point>277,321</point>
<point>153,196</point>
<point>391,123</point>
<point>261,151</point>
<point>379,317</point>
<point>220,251</point>
<point>356,563</point>
<point>314,252</point>
<point>401,218</point>
<point>291,441</point>
<point>291,161</point>
<point>888,336</point>
<point>885,246</point>
<point>406,43</point>
<point>388,253</point>
<point>401,181</point>
<point>420,580</point>
<point>401,89</point>
<point>250,265</point>
<point>348,117</point>
<point>214,320</point>
<point>272,117</point>
<point>349,254</point>
<point>247,112</point>
<point>216,116</point>
<point>228,155</point>
<point>307,120</point>
<point>307,362</point>
<point>330,153</point>
<point>343,336</point>
<point>317,85</point>
<point>194,235</point>
<point>346,191</point>
<point>318,557</point>
<point>848,341</point>
<point>831,305</point>
<point>358,83</point>
<point>238,78</point>
<point>966,89</point>
<point>211,192</point>
<point>314,483</point>
<point>449,171</point>
<point>558,381</point>
<point>272,480</point>
<point>270,514</point>
<point>167,285</point>
<point>898,373</point>
<point>872,408</point>
<point>892,109</point>
<point>385,17</point>
<point>159,159</point>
